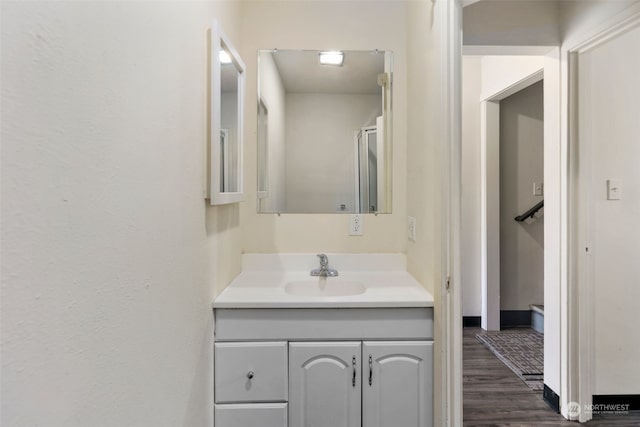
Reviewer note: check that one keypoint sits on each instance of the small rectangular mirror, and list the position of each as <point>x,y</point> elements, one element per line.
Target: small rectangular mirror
<point>324,131</point>
<point>227,94</point>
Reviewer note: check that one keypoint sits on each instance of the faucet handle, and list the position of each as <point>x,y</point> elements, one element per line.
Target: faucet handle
<point>324,260</point>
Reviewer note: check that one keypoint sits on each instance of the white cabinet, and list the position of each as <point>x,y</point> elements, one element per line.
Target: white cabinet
<point>324,384</point>
<point>397,387</point>
<point>324,367</point>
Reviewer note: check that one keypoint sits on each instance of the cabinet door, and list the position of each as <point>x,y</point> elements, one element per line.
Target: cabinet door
<point>324,384</point>
<point>397,387</point>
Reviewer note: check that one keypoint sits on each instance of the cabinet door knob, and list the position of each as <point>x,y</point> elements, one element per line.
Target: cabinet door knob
<point>370,370</point>
<point>250,374</point>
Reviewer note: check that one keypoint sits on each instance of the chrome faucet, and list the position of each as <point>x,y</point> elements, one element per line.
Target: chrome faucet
<point>324,270</point>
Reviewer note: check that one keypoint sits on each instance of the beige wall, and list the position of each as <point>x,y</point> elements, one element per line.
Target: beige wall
<point>110,258</point>
<point>426,164</point>
<point>321,25</point>
<point>517,23</point>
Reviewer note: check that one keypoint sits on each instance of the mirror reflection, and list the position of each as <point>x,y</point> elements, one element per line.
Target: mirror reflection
<point>324,131</point>
<point>263,149</point>
<point>228,124</point>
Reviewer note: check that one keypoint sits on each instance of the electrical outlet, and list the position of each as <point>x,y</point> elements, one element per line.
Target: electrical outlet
<point>411,228</point>
<point>356,225</point>
<point>538,188</point>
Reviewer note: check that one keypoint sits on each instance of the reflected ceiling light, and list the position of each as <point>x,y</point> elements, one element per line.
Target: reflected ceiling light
<point>332,57</point>
<point>224,57</point>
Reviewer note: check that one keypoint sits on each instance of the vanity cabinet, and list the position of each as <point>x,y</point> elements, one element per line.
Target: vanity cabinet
<point>324,367</point>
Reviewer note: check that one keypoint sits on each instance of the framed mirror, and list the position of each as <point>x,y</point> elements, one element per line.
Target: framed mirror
<point>227,94</point>
<point>324,131</point>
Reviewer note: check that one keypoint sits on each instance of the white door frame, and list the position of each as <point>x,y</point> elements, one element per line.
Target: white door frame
<point>449,16</point>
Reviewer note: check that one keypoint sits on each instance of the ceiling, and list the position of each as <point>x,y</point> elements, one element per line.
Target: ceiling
<point>301,72</point>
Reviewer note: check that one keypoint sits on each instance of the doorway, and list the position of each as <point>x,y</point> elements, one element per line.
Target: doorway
<point>504,183</point>
<point>521,165</point>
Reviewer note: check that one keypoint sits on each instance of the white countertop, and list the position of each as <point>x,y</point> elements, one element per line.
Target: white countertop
<point>264,277</point>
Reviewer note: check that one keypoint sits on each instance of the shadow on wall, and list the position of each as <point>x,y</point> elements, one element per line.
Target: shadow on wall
<point>535,228</point>
<point>194,416</point>
<point>223,247</point>
<point>222,218</point>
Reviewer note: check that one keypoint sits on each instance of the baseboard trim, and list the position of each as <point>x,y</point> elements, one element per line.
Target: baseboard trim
<point>552,399</point>
<point>633,400</point>
<point>515,318</point>
<point>471,321</point>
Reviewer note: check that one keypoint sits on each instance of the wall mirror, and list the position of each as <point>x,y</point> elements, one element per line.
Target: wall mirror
<point>324,131</point>
<point>227,94</point>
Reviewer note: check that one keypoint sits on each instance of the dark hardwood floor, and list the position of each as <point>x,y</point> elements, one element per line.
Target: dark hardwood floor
<point>494,396</point>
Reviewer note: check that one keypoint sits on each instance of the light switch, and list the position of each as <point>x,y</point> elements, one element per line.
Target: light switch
<point>614,189</point>
<point>537,189</point>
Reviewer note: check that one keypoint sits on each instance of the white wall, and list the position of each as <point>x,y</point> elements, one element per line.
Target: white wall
<point>609,92</point>
<point>502,71</point>
<point>318,25</point>
<point>521,164</point>
<point>109,257</point>
<point>470,204</point>
<point>320,151</point>
<point>273,94</point>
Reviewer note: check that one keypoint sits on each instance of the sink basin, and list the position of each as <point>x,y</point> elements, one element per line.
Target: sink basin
<point>325,287</point>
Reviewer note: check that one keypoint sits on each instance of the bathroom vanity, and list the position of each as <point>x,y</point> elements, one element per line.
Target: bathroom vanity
<point>295,350</point>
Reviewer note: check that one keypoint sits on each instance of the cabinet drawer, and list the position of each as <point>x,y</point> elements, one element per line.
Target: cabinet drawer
<point>250,372</point>
<point>251,415</point>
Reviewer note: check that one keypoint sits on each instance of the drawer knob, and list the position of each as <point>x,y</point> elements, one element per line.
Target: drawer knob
<point>250,374</point>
